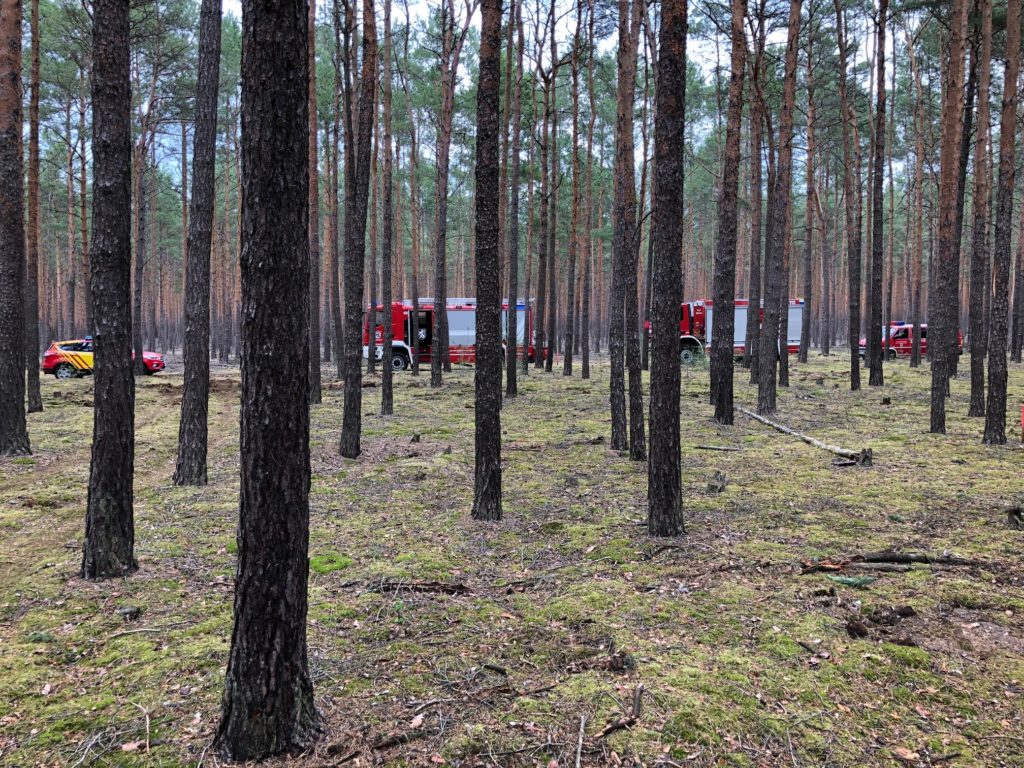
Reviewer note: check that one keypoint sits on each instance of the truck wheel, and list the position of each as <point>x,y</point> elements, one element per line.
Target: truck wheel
<point>398,361</point>
<point>65,371</point>
<point>687,356</point>
<point>892,354</point>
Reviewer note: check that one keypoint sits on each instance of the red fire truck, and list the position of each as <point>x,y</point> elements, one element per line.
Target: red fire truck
<point>461,331</point>
<point>901,340</point>
<point>697,317</point>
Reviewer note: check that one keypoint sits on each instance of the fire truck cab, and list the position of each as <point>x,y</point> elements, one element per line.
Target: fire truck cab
<point>461,330</point>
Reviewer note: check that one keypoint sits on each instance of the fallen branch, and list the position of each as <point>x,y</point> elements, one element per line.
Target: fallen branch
<point>906,558</point>
<point>629,720</point>
<point>862,457</point>
<point>443,587</point>
<point>395,739</point>
<point>579,742</point>
<point>716,448</point>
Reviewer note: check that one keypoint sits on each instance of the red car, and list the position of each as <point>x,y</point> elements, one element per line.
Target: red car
<point>901,341</point>
<point>68,359</point>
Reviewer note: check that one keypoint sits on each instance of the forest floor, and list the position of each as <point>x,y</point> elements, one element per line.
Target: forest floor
<point>436,640</point>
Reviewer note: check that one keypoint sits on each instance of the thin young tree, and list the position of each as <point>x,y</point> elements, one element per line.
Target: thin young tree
<point>724,279</point>
<point>664,492</point>
<point>852,193</point>
<point>109,549</point>
<point>623,217</point>
<point>267,707</point>
<point>356,200</point>
<point>574,223</point>
<point>942,320</point>
<point>588,216</point>
<point>192,429</point>
<point>487,486</point>
<point>810,211</point>
<point>13,426</point>
<point>995,412</point>
<point>876,376</point>
<point>979,287</point>
<point>387,395</point>
<point>452,40</point>
<point>315,395</point>
<point>770,347</point>
<point>512,219</point>
<point>35,400</point>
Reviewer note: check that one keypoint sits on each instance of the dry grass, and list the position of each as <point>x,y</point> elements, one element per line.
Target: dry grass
<point>568,605</point>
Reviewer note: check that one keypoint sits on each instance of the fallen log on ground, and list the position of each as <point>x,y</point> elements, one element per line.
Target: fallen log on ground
<point>862,457</point>
<point>906,558</point>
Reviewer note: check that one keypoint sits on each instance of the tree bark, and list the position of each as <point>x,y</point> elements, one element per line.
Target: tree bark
<point>192,429</point>
<point>387,396</point>
<point>355,241</point>
<point>574,224</point>
<point>995,412</point>
<point>624,230</point>
<point>13,427</point>
<point>876,376</point>
<point>942,325</point>
<point>851,189</point>
<point>724,281</point>
<point>487,486</point>
<point>512,218</point>
<point>776,283</point>
<point>315,395</point>
<point>267,707</point>
<point>978,322</point>
<point>588,215</point>
<point>109,522</point>
<point>664,492</point>
<point>35,400</point>
<point>809,208</point>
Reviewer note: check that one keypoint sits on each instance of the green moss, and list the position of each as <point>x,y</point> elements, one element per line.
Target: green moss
<point>328,562</point>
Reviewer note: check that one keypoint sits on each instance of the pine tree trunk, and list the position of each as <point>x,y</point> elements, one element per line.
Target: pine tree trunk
<point>315,395</point>
<point>809,212</point>
<point>995,413</point>
<point>267,707</point>
<point>540,344</point>
<point>624,237</point>
<point>109,523</point>
<point>387,397</point>
<point>664,492</point>
<point>192,430</point>
<point>978,322</point>
<point>487,486</point>
<point>512,218</point>
<point>574,224</point>
<point>876,376</point>
<point>13,429</point>
<point>724,281</point>
<point>355,241</point>
<point>942,320</point>
<point>776,284</point>
<point>35,400</point>
<point>588,208</point>
<point>851,188</point>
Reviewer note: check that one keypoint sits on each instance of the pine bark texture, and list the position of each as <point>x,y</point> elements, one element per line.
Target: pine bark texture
<point>487,486</point>
<point>979,286</point>
<point>512,219</point>
<point>109,524</point>
<point>942,320</point>
<point>192,430</point>
<point>995,411</point>
<point>664,492</point>
<point>876,376</point>
<point>35,400</point>
<point>852,193</point>
<point>315,395</point>
<point>387,395</point>
<point>355,241</point>
<point>769,345</point>
<point>724,291</point>
<point>13,426</point>
<point>267,706</point>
